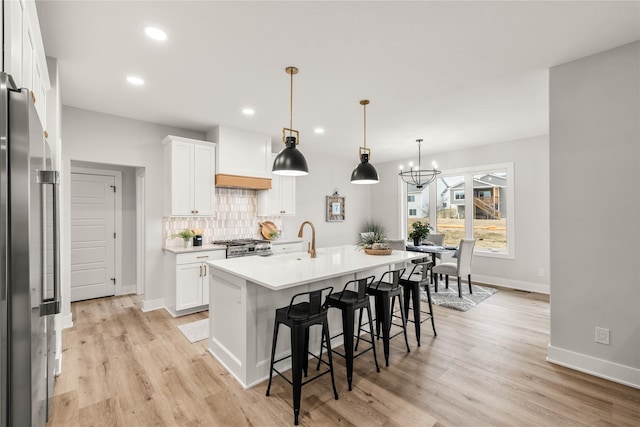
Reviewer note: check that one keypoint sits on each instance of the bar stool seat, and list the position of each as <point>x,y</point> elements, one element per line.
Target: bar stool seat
<point>385,293</point>
<point>411,283</point>
<point>299,317</point>
<point>348,302</point>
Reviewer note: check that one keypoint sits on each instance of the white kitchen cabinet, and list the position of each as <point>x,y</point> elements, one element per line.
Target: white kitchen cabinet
<point>189,177</point>
<point>280,199</point>
<point>23,52</point>
<point>241,152</point>
<point>189,280</point>
<point>286,247</point>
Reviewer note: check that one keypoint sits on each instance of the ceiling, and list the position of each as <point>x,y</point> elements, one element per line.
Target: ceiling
<point>456,74</point>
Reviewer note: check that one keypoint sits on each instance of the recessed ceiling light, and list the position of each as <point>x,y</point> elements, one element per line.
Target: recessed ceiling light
<point>318,130</point>
<point>248,111</point>
<point>135,80</point>
<point>155,33</point>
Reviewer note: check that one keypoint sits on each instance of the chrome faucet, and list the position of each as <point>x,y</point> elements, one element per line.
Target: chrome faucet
<point>312,249</point>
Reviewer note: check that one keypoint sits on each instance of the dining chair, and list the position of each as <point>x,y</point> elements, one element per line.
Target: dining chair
<point>436,239</point>
<point>398,244</point>
<point>462,266</point>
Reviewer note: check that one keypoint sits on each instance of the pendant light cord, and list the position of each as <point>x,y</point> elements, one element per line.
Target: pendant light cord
<point>365,126</point>
<point>291,104</point>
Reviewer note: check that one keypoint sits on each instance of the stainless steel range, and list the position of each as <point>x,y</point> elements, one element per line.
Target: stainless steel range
<point>245,247</point>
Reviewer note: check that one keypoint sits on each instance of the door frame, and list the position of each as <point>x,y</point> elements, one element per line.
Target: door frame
<point>140,229</point>
<point>117,268</point>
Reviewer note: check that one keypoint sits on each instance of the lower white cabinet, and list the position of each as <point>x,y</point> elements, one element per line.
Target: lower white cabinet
<point>190,279</point>
<point>285,247</point>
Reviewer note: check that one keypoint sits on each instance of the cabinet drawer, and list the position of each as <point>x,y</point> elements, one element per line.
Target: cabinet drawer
<point>203,256</point>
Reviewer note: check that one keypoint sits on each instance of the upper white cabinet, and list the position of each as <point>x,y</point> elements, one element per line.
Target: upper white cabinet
<point>23,50</point>
<point>189,177</point>
<point>244,158</point>
<point>280,199</point>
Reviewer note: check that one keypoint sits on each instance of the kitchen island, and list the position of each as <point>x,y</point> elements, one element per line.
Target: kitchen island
<point>245,292</point>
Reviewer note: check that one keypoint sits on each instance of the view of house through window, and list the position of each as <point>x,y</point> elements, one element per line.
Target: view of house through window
<point>417,205</point>
<point>490,210</point>
<point>473,198</point>
<point>450,212</point>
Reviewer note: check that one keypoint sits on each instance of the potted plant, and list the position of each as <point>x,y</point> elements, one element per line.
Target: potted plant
<point>420,232</point>
<point>274,234</point>
<point>186,235</point>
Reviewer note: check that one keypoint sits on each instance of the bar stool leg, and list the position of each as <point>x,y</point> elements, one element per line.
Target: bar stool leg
<point>383,303</point>
<point>360,326</point>
<point>404,325</point>
<point>327,337</point>
<point>347,324</point>
<point>273,354</point>
<point>305,360</point>
<point>433,324</point>
<point>297,356</point>
<point>415,293</point>
<point>373,343</point>
<point>321,347</point>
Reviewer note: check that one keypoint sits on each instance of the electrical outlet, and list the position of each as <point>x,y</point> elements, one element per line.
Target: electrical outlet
<point>602,335</point>
<point>541,272</point>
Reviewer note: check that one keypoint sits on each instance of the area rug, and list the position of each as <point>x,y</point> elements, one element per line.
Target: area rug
<point>195,331</point>
<point>449,297</point>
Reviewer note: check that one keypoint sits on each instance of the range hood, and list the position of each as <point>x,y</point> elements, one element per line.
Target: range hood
<point>243,158</point>
<point>246,182</point>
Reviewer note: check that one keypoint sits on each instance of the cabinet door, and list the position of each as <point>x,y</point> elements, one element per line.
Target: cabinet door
<point>188,285</point>
<point>204,179</point>
<point>288,195</point>
<point>14,12</point>
<point>182,157</point>
<point>205,284</point>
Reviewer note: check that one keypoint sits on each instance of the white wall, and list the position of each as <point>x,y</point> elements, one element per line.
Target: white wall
<point>531,182</point>
<point>94,137</point>
<point>325,174</point>
<point>595,211</point>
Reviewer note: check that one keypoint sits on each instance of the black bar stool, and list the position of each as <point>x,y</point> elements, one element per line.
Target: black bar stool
<point>348,301</point>
<point>411,285</point>
<point>299,317</point>
<point>385,294</point>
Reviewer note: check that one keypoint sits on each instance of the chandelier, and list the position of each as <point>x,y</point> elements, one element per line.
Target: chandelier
<point>419,177</point>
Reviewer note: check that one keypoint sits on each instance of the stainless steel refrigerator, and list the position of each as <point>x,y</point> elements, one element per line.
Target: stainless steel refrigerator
<point>29,261</point>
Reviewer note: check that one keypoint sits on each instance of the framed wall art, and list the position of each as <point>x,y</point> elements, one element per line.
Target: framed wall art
<point>335,208</point>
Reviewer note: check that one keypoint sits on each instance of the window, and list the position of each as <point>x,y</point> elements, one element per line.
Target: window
<point>490,210</point>
<point>417,205</point>
<point>487,215</point>
<point>450,218</point>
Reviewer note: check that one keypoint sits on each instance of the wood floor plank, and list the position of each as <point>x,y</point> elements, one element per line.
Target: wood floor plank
<point>487,366</point>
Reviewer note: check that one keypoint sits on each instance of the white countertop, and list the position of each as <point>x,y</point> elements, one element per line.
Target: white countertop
<point>287,270</point>
<point>286,241</point>
<point>183,250</point>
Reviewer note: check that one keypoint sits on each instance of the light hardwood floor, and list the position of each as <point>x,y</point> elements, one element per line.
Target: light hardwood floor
<point>123,367</point>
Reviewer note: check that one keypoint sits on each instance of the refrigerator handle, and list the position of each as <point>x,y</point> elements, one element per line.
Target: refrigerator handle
<point>52,305</point>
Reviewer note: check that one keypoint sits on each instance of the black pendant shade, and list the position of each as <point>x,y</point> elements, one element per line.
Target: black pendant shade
<point>364,173</point>
<point>290,161</point>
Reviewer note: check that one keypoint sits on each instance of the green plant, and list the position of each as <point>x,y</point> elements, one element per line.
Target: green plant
<point>373,227</point>
<point>420,231</point>
<point>273,234</point>
<point>185,234</point>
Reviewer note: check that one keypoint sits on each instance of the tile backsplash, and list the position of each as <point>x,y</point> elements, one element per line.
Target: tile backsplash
<point>236,218</point>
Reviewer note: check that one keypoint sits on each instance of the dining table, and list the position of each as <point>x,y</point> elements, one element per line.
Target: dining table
<point>433,250</point>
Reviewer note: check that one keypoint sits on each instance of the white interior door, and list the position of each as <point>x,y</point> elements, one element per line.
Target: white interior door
<point>92,236</point>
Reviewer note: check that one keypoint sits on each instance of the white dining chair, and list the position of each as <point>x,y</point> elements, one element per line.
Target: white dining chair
<point>462,266</point>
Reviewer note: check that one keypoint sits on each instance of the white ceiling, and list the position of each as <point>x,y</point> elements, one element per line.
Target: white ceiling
<point>454,73</point>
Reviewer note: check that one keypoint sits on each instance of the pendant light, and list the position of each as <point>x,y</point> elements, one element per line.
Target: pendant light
<point>290,161</point>
<point>419,177</point>
<point>364,173</point>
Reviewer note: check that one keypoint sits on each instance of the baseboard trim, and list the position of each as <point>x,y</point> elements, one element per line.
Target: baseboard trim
<point>611,371</point>
<point>520,285</point>
<point>129,289</point>
<point>67,321</point>
<point>151,305</point>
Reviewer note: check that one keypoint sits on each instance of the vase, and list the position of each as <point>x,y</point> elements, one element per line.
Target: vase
<point>188,243</point>
<point>416,241</point>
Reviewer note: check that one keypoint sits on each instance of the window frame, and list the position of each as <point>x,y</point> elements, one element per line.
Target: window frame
<point>468,173</point>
